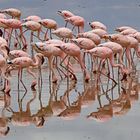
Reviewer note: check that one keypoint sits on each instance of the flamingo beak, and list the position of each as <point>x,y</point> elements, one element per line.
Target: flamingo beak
<point>59,12</point>
<point>90,25</point>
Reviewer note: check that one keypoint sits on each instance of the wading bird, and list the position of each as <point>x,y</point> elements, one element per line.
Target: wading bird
<point>14,13</point>
<point>50,24</point>
<point>26,62</point>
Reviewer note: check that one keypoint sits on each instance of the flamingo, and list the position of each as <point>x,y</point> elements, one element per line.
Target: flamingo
<point>32,18</point>
<point>115,47</point>
<point>49,24</point>
<point>26,62</point>
<point>15,13</point>
<point>63,33</point>
<point>33,26</point>
<point>99,32</point>
<point>72,49</point>
<point>77,21</point>
<point>97,25</point>
<point>84,43</point>
<point>65,14</point>
<point>14,24</point>
<point>18,53</point>
<point>92,36</point>
<point>128,31</point>
<point>122,28</point>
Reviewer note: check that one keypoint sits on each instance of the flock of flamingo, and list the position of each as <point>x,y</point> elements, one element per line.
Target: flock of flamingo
<point>63,48</point>
<point>60,50</point>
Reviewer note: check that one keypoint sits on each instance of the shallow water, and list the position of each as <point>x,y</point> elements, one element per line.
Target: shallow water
<point>125,126</point>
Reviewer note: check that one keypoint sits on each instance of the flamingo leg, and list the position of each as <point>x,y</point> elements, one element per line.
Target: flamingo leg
<point>34,76</point>
<point>66,23</point>
<point>83,67</point>
<point>46,35</point>
<point>52,73</point>
<point>71,72</point>
<point>16,41</point>
<point>22,38</point>
<point>10,34</point>
<point>50,34</point>
<point>128,58</point>
<point>20,70</point>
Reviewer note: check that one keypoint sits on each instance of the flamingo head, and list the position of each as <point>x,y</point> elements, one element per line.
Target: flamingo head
<point>65,14</point>
<point>38,46</point>
<point>91,25</point>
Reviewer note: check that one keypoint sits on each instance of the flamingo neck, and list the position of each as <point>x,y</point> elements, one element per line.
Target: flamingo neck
<point>37,61</point>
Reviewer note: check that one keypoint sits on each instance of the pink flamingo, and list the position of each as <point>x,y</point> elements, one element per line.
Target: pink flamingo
<point>18,53</point>
<point>94,37</point>
<point>32,18</point>
<point>26,62</point>
<point>116,48</point>
<point>97,25</point>
<point>49,24</point>
<point>72,49</point>
<point>34,27</point>
<point>99,32</point>
<point>84,43</point>
<point>14,24</point>
<point>63,33</point>
<point>122,28</point>
<point>15,13</point>
<point>65,14</point>
<point>77,21</point>
<point>128,31</point>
